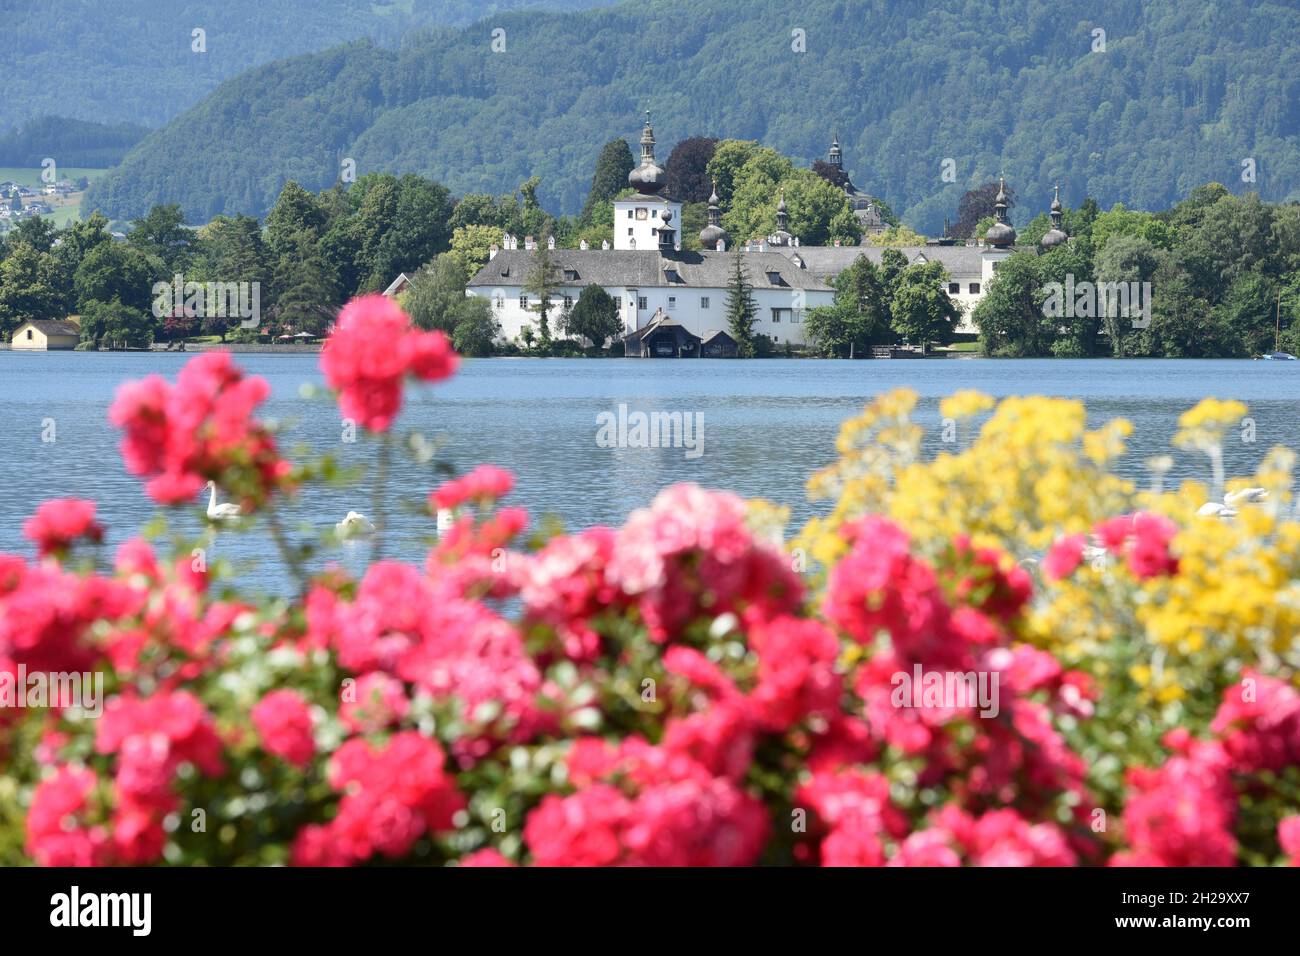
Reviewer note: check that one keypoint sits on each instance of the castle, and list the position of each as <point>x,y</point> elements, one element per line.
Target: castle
<point>672,301</point>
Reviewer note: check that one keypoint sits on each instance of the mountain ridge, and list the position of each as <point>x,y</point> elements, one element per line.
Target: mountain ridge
<point>1182,94</point>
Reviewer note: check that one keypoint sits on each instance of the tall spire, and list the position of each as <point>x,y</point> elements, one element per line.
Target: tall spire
<point>1056,235</point>
<point>647,141</point>
<point>836,155</point>
<point>649,177</point>
<point>713,233</point>
<point>1001,234</point>
<point>782,214</point>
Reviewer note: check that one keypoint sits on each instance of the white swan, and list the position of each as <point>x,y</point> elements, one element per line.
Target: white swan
<point>446,518</point>
<point>226,511</point>
<point>355,525</point>
<point>1228,507</point>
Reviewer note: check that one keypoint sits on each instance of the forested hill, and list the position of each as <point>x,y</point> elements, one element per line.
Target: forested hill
<point>68,142</point>
<point>1183,92</point>
<point>134,61</point>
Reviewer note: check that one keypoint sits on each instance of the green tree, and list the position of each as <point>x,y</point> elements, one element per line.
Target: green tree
<point>1010,316</point>
<point>162,235</point>
<point>594,316</point>
<point>28,288</point>
<point>297,213</point>
<point>612,167</point>
<point>115,271</point>
<point>472,245</point>
<point>542,283</point>
<point>306,295</point>
<point>477,329</point>
<point>921,310</point>
<point>742,309</point>
<point>437,294</point>
<point>116,324</point>
<point>1124,258</point>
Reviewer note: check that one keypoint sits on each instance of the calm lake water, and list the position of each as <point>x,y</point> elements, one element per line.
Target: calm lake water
<point>767,425</point>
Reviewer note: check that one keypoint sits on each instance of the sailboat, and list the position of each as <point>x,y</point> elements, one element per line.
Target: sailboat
<point>1277,355</point>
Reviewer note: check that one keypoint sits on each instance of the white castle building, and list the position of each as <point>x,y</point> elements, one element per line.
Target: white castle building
<point>661,288</point>
<point>657,284</point>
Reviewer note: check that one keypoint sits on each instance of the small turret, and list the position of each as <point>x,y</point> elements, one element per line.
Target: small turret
<point>1001,234</point>
<point>1056,235</point>
<point>713,234</point>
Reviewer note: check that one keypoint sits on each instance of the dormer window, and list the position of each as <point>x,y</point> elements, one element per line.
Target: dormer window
<point>672,276</point>
<point>505,270</point>
<point>774,278</point>
<point>570,275</point>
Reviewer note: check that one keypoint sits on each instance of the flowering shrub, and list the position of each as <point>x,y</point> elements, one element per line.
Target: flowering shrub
<point>1050,669</point>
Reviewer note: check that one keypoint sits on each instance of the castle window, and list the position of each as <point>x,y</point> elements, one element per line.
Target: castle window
<point>778,313</point>
<point>568,302</point>
<point>954,288</point>
<point>499,302</point>
<point>974,288</point>
<point>523,302</point>
<point>704,302</point>
<point>672,302</point>
<point>640,302</point>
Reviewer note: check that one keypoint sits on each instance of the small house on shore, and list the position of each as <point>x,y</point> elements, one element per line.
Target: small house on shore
<point>663,337</point>
<point>43,335</point>
<point>718,344</point>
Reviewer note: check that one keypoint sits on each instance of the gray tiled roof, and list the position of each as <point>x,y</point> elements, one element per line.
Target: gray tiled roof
<point>56,326</point>
<point>645,269</point>
<point>831,260</point>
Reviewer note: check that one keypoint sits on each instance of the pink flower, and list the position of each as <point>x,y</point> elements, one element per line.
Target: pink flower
<point>485,857</point>
<point>284,726</point>
<point>392,795</point>
<point>1145,538</point>
<point>1288,837</point>
<point>1065,555</point>
<point>60,522</point>
<point>201,429</point>
<point>371,352</point>
<point>57,834</point>
<point>377,701</point>
<point>484,484</point>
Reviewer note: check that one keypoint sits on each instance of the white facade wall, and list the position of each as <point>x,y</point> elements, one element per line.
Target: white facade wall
<point>781,312</point>
<point>637,219</point>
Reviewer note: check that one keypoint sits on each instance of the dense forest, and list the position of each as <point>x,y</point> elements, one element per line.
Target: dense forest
<point>133,61</point>
<point>68,142</point>
<point>1132,103</point>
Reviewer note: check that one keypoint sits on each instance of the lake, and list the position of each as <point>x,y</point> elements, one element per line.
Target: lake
<point>766,426</point>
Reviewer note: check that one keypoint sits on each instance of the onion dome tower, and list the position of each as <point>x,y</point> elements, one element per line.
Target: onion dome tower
<point>713,233</point>
<point>648,178</point>
<point>782,235</point>
<point>1056,235</point>
<point>836,156</point>
<point>667,234</point>
<point>1001,234</point>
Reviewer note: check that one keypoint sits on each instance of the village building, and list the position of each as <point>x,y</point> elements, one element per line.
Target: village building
<point>42,335</point>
